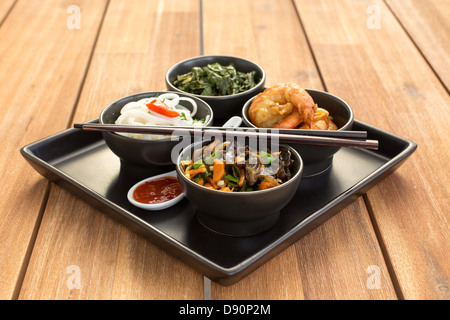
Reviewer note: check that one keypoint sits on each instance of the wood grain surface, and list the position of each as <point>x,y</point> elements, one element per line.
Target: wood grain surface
<point>428,26</point>
<point>127,59</point>
<point>31,63</point>
<point>396,86</point>
<point>5,7</point>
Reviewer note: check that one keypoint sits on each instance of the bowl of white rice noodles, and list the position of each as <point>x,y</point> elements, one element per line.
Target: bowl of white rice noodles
<point>138,113</point>
<point>152,108</point>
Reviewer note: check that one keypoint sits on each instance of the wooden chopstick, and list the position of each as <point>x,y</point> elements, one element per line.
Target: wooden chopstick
<point>321,133</point>
<point>337,139</point>
<point>318,133</point>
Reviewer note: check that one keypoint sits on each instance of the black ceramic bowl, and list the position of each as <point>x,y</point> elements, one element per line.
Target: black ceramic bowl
<point>317,159</point>
<point>239,213</point>
<point>146,153</point>
<point>224,107</point>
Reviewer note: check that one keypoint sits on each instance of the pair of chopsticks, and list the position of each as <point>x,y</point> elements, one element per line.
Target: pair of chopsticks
<point>352,139</point>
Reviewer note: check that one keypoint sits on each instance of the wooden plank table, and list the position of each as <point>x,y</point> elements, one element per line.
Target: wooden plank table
<point>388,59</point>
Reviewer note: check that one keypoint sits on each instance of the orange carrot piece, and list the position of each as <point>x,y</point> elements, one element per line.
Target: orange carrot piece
<point>266,185</point>
<point>212,146</point>
<point>208,185</point>
<point>242,177</point>
<point>194,172</point>
<point>213,185</point>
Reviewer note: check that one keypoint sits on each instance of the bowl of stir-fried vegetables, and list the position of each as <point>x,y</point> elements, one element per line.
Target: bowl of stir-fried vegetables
<point>237,189</point>
<point>224,82</point>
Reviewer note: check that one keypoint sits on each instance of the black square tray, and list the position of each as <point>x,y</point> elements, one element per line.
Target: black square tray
<point>81,162</point>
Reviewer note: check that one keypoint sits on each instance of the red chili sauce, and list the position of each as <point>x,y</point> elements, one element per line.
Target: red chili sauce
<point>158,190</point>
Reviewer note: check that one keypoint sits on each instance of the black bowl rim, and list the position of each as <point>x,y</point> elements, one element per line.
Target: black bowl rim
<point>344,127</point>
<point>297,175</point>
<point>145,141</point>
<point>212,98</point>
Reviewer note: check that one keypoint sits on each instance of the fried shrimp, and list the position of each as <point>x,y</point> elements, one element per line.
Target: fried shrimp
<point>285,105</point>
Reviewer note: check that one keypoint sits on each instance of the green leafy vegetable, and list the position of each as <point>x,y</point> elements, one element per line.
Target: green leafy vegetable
<point>266,158</point>
<point>215,80</point>
<point>232,178</point>
<point>210,159</point>
<point>197,164</point>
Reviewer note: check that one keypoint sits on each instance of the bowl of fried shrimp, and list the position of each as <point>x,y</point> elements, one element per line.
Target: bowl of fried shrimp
<point>236,188</point>
<point>288,106</point>
<point>152,108</point>
<point>224,82</point>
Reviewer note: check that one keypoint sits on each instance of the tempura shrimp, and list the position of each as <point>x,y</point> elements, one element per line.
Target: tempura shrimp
<point>285,105</point>
<point>321,121</point>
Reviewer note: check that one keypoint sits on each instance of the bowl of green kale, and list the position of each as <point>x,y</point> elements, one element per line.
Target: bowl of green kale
<point>223,82</point>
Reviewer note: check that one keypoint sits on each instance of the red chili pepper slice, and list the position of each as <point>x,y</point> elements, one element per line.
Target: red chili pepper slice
<point>160,107</point>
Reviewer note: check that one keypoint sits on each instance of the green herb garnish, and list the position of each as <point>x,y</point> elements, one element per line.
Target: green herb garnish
<point>266,158</point>
<point>197,164</point>
<point>183,116</point>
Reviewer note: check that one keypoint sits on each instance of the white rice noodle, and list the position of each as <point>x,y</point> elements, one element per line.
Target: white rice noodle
<point>137,113</point>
